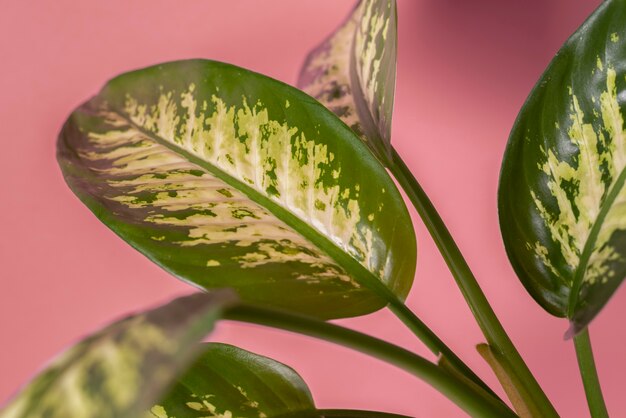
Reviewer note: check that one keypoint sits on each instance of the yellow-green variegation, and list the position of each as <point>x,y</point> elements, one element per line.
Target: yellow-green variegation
<point>562,199</point>
<point>124,369</point>
<point>227,178</point>
<point>353,72</point>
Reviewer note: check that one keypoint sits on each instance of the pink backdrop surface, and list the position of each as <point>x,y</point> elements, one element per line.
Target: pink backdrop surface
<point>464,69</point>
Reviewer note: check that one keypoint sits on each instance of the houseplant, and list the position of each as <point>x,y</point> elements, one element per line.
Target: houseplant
<point>260,258</point>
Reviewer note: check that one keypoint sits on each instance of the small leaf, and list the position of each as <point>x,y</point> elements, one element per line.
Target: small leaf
<point>353,72</point>
<point>562,198</point>
<point>228,381</point>
<point>347,413</point>
<point>122,370</point>
<point>227,178</point>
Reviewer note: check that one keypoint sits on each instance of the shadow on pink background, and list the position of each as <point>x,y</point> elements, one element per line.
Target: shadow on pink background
<point>464,69</point>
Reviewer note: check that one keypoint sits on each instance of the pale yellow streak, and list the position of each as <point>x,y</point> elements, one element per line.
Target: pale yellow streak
<point>569,230</point>
<point>229,217</point>
<point>373,27</point>
<point>335,216</point>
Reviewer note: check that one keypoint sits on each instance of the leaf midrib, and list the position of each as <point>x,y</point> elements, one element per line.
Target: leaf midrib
<point>352,266</point>
<point>581,269</point>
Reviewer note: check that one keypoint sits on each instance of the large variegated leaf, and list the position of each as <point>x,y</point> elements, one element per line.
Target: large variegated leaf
<point>122,370</point>
<point>227,381</point>
<point>353,72</point>
<point>225,177</point>
<point>562,199</point>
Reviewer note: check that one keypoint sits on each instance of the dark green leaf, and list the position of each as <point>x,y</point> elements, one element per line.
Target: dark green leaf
<point>562,199</point>
<point>353,72</point>
<point>120,371</point>
<point>229,382</point>
<point>347,413</point>
<point>227,178</point>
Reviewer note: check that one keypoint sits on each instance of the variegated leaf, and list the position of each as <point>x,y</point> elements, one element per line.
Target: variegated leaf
<point>225,177</point>
<point>122,370</point>
<point>562,199</point>
<point>230,382</point>
<point>227,381</point>
<point>353,72</point>
<point>348,413</point>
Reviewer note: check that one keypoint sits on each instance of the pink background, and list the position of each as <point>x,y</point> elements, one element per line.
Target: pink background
<point>464,69</point>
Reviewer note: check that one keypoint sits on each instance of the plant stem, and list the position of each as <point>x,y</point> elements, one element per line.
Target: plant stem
<point>472,400</point>
<point>434,344</point>
<point>589,374</point>
<point>485,316</point>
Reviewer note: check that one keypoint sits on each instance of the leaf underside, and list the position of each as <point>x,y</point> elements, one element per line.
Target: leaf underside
<point>562,199</point>
<point>227,178</point>
<point>353,72</point>
<point>122,370</point>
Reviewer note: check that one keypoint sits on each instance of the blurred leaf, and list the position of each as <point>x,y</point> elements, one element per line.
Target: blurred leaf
<point>227,381</point>
<point>120,371</point>
<point>353,72</point>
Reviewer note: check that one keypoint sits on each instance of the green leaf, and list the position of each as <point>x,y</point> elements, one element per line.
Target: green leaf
<point>353,72</point>
<point>227,381</point>
<point>227,178</point>
<point>122,370</point>
<point>562,199</point>
<point>347,413</point>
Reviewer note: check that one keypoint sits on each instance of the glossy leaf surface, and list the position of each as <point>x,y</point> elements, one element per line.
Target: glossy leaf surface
<point>122,370</point>
<point>227,178</point>
<point>227,381</point>
<point>562,198</point>
<point>347,413</point>
<point>353,72</point>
